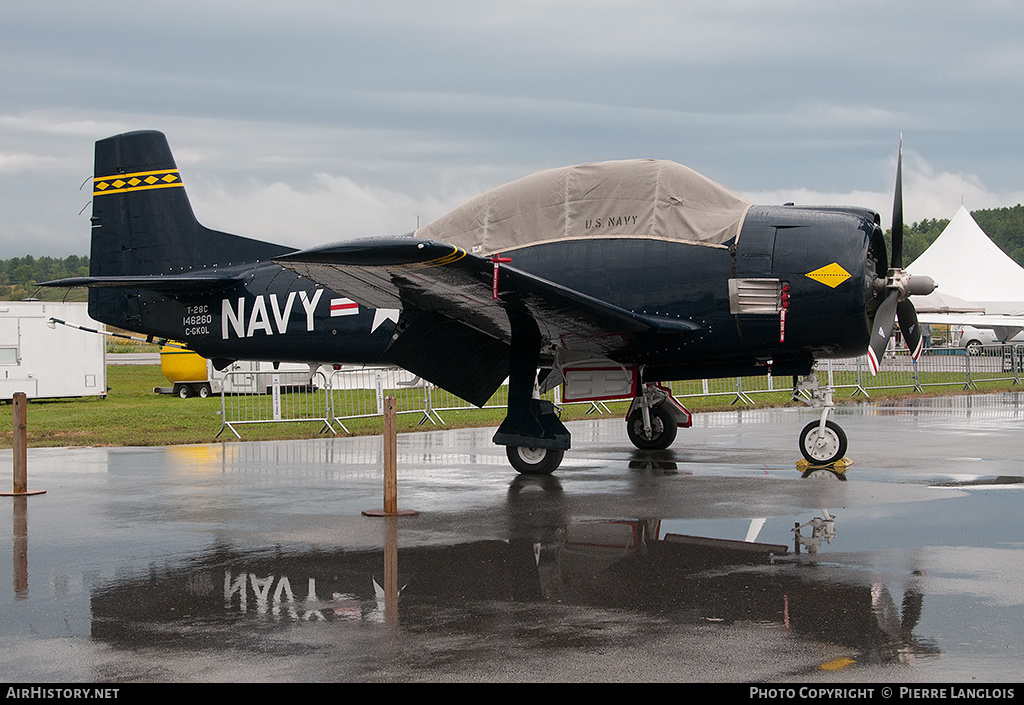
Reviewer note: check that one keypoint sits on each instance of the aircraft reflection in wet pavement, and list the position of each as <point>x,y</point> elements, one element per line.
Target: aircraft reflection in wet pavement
<point>823,528</point>
<point>627,565</point>
<point>606,278</point>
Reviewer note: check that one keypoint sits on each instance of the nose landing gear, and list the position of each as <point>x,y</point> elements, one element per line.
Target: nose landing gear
<point>822,443</point>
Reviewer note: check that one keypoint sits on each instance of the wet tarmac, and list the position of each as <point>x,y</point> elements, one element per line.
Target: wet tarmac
<point>252,562</point>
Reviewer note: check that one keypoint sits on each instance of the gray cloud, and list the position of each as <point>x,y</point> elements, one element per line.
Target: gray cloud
<point>315,120</point>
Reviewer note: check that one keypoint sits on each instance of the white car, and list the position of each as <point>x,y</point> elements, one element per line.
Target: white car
<point>974,339</point>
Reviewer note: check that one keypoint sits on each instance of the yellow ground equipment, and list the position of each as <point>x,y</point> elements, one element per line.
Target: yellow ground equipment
<point>186,370</point>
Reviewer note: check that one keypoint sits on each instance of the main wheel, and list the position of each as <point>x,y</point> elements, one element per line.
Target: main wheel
<point>534,461</point>
<point>203,391</point>
<point>663,429</point>
<point>183,390</point>
<point>822,446</point>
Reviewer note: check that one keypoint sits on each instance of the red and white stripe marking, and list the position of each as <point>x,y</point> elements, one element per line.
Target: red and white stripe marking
<point>344,307</point>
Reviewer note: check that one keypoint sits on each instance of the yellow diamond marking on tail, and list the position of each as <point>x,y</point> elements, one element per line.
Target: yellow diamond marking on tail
<point>830,275</point>
<point>139,181</point>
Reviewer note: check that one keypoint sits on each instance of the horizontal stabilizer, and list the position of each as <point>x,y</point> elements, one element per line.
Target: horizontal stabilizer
<point>166,284</point>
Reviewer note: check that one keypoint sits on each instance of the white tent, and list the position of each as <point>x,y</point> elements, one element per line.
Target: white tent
<point>967,264</point>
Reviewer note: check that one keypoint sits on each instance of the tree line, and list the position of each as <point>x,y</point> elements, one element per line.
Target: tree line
<point>19,277</point>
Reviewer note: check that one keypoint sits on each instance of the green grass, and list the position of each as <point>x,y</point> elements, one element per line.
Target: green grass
<point>133,415</point>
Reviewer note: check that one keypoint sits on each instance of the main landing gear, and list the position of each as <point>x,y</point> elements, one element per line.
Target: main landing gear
<point>652,421</point>
<point>534,438</point>
<point>654,418</point>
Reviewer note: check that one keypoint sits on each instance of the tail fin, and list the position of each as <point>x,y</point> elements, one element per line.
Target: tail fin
<point>142,222</point>
<point>145,237</point>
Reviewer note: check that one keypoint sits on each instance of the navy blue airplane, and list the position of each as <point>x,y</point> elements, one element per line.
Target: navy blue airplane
<point>608,278</point>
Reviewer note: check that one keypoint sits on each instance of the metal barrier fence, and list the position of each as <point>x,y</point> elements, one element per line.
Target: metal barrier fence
<point>333,397</point>
<point>897,370</point>
<point>359,393</point>
<point>284,397</point>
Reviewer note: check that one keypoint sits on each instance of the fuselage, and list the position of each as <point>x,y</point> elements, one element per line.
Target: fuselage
<point>820,256</point>
<point>717,287</point>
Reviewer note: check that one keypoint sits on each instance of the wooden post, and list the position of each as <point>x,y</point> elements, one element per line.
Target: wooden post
<point>20,548</point>
<point>390,464</point>
<point>20,443</point>
<point>391,570</point>
<point>390,455</point>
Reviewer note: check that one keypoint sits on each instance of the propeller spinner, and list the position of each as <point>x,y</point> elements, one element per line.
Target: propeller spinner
<point>896,287</point>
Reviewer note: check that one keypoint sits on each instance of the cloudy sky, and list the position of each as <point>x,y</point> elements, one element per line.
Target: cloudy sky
<point>313,121</point>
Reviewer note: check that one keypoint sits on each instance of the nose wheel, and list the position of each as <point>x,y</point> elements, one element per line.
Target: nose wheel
<point>822,444</point>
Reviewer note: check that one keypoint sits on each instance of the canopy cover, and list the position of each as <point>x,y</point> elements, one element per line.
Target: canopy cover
<point>638,198</point>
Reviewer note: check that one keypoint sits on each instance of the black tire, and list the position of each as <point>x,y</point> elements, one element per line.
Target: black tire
<point>824,449</point>
<point>973,347</point>
<point>534,461</point>
<point>663,429</point>
<point>203,391</point>
<point>183,390</point>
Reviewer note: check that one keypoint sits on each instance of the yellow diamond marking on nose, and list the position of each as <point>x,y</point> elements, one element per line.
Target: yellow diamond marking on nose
<point>830,275</point>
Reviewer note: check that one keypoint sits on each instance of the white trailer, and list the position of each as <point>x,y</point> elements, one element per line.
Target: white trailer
<point>48,361</point>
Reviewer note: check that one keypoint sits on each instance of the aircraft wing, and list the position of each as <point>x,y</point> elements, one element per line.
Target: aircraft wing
<point>436,280</point>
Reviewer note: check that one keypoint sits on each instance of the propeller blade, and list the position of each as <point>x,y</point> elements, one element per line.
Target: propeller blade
<point>885,320</point>
<point>907,315</point>
<point>897,214</point>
